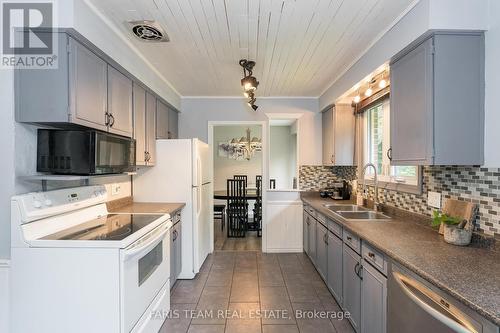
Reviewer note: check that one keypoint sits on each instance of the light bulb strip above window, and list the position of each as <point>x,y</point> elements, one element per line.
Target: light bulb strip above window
<point>249,82</point>
<point>378,83</point>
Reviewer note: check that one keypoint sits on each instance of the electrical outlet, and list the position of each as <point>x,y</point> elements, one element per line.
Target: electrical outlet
<point>115,189</point>
<point>434,199</point>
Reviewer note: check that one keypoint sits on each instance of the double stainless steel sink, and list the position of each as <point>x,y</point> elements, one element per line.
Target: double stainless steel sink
<point>356,213</point>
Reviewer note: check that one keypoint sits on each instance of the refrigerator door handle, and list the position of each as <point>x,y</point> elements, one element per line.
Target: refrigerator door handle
<point>198,202</point>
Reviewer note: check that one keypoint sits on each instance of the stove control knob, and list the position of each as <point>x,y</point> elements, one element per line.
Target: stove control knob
<point>97,193</point>
<point>37,204</point>
<point>48,202</point>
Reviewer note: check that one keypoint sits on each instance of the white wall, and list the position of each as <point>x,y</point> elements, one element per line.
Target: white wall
<point>282,161</point>
<point>225,168</point>
<point>197,112</point>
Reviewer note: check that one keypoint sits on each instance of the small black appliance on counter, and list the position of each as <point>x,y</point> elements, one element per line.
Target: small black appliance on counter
<point>337,191</point>
<point>84,152</point>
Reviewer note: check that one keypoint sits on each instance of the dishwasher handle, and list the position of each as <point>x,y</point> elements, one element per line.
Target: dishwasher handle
<point>455,325</point>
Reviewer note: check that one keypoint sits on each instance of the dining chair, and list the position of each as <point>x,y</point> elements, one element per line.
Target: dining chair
<point>242,177</point>
<point>237,208</point>
<point>257,210</point>
<point>220,214</point>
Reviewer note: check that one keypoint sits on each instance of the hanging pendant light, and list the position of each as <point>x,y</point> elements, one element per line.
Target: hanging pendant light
<point>249,82</point>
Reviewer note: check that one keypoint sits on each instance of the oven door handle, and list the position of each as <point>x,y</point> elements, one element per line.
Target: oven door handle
<point>146,244</point>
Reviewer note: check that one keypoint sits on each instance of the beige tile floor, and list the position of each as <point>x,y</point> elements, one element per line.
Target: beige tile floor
<point>234,286</point>
<point>248,243</point>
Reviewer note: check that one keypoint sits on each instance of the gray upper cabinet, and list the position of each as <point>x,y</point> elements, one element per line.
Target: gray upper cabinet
<point>352,286</point>
<point>162,111</point>
<point>119,103</point>
<point>88,80</point>
<point>150,128</point>
<point>437,101</point>
<point>334,280</point>
<point>140,124</point>
<point>338,135</point>
<point>173,124</point>
<point>373,300</point>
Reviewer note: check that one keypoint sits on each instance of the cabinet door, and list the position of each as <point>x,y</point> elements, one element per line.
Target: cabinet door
<point>151,128</point>
<point>161,120</point>
<point>327,135</point>
<point>284,226</point>
<point>312,239</point>
<point>173,257</point>
<point>343,132</point>
<point>119,102</point>
<point>351,286</point>
<point>305,232</point>
<point>178,250</point>
<point>173,124</point>
<point>373,300</point>
<point>411,107</point>
<point>88,84</point>
<point>335,266</point>
<point>140,124</point>
<point>322,250</point>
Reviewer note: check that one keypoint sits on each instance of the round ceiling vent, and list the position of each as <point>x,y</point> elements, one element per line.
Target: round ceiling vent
<point>149,31</point>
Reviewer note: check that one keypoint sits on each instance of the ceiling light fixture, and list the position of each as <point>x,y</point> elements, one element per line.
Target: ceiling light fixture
<point>249,82</point>
<point>382,84</point>
<point>368,92</point>
<point>357,99</point>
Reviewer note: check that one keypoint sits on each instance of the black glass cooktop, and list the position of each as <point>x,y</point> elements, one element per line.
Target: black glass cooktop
<point>110,227</point>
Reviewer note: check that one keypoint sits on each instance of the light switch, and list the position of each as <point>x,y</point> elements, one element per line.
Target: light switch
<point>434,199</point>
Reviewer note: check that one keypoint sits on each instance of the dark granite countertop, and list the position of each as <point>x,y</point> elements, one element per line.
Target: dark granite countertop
<point>470,274</point>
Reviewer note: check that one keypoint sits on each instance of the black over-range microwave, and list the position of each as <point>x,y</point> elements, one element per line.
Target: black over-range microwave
<point>84,152</point>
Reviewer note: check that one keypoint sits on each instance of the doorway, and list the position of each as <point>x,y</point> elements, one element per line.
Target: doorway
<point>238,150</point>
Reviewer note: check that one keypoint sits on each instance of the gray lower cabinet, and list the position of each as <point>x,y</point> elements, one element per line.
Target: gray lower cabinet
<point>437,94</point>
<point>119,103</point>
<point>305,232</point>
<point>312,239</point>
<point>334,274</point>
<point>322,250</point>
<point>373,300</point>
<point>352,286</point>
<point>175,253</point>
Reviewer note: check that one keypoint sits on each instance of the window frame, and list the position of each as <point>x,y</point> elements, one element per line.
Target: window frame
<point>390,182</point>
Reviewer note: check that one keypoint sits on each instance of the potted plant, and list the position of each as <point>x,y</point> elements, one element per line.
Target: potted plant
<point>456,230</point>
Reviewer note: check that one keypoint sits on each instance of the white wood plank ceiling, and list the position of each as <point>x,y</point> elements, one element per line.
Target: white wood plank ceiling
<point>300,46</point>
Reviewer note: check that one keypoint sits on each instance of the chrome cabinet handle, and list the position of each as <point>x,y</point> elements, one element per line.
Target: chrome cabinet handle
<point>356,268</point>
<point>349,238</point>
<point>371,255</point>
<point>332,158</point>
<point>106,119</point>
<point>360,271</point>
<point>389,154</point>
<point>112,120</point>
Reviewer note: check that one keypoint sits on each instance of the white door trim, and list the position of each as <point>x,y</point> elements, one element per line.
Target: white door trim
<point>4,295</point>
<point>264,167</point>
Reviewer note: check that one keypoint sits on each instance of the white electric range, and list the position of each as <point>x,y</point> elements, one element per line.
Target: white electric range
<point>76,268</point>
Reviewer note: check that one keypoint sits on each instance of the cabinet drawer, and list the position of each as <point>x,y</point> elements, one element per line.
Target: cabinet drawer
<point>321,219</point>
<point>374,257</point>
<point>335,228</point>
<point>353,241</point>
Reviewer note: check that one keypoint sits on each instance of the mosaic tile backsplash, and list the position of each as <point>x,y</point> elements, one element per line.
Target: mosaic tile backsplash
<point>469,183</point>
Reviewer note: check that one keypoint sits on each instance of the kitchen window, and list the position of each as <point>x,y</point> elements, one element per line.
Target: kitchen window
<point>376,142</point>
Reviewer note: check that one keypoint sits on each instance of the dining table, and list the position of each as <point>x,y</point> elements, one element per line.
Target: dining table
<point>251,194</point>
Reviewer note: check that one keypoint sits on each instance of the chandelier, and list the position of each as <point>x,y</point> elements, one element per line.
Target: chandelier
<point>249,82</point>
<point>245,146</point>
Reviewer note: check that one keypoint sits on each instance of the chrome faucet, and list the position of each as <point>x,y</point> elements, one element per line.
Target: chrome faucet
<point>375,181</point>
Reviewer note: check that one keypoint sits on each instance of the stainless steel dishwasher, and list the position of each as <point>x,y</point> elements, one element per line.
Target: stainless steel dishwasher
<point>413,305</point>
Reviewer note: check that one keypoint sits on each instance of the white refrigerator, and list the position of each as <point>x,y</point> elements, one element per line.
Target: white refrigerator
<point>181,174</point>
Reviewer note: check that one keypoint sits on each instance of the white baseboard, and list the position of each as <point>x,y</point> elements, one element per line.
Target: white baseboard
<point>4,295</point>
